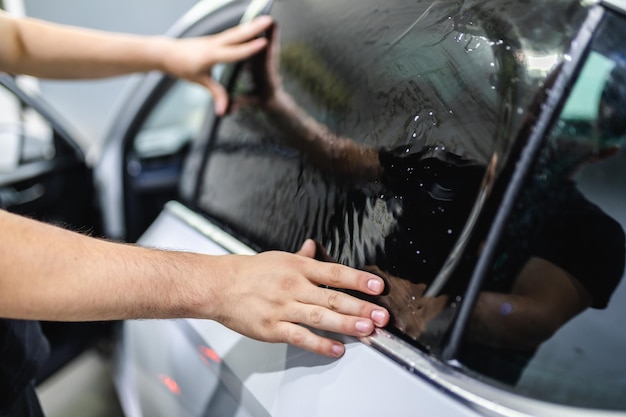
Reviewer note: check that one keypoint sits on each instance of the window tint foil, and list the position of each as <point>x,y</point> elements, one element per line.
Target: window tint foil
<point>391,123</point>
<point>545,323</point>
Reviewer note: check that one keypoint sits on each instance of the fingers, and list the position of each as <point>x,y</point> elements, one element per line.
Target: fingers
<point>340,276</point>
<point>219,93</point>
<point>238,52</point>
<point>305,339</point>
<point>239,42</point>
<point>336,275</point>
<point>246,31</point>
<point>308,249</point>
<point>286,300</point>
<point>344,312</point>
<point>322,318</point>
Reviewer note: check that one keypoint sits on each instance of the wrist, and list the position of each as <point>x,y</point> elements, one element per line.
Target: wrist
<point>161,55</point>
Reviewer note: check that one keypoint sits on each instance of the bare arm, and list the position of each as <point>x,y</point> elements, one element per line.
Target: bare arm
<point>544,297</point>
<point>50,273</point>
<point>327,150</point>
<point>47,50</point>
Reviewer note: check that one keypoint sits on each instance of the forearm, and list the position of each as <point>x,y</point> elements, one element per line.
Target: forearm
<point>326,149</point>
<point>49,50</point>
<point>50,273</point>
<point>508,320</point>
<point>543,298</point>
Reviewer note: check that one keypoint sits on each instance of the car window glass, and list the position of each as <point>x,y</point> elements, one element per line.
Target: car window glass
<point>378,141</point>
<point>547,323</point>
<point>174,122</point>
<point>25,136</point>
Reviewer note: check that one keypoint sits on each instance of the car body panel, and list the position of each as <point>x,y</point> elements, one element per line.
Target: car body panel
<point>209,361</point>
<point>276,375</point>
<point>486,80</point>
<point>514,84</point>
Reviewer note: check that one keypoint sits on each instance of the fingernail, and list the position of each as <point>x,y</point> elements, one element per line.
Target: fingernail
<point>337,350</point>
<point>364,327</point>
<point>375,285</point>
<point>263,19</point>
<point>379,316</point>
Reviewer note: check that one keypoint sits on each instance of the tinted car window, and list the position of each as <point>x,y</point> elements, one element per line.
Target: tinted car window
<point>546,321</point>
<point>394,115</point>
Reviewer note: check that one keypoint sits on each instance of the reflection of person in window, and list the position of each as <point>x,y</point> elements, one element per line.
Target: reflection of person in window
<point>350,162</point>
<point>51,273</point>
<point>544,294</point>
<point>570,253</point>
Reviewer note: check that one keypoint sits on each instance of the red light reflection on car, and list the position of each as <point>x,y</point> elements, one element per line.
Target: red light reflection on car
<point>207,354</point>
<point>170,383</point>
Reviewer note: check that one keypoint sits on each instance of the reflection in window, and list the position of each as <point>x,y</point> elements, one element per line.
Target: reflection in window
<point>409,122</point>
<point>546,321</point>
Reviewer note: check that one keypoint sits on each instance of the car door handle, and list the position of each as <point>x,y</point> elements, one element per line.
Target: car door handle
<point>10,197</point>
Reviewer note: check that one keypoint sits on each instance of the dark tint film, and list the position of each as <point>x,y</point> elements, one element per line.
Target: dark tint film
<point>546,322</point>
<point>369,127</point>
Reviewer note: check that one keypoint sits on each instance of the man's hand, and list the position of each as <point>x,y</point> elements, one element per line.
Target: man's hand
<point>194,58</point>
<point>271,296</point>
<point>402,293</point>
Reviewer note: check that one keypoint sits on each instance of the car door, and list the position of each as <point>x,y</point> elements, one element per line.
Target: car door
<point>246,191</point>
<point>417,80</point>
<point>141,161</point>
<point>43,175</point>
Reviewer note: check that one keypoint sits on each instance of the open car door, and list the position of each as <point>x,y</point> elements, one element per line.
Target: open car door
<point>43,175</point>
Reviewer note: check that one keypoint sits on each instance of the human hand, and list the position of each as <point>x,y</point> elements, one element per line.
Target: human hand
<point>273,295</point>
<point>403,293</point>
<point>265,69</point>
<point>194,58</point>
<point>267,91</point>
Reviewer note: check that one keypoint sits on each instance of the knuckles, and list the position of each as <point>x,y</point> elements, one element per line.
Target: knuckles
<point>316,316</point>
<point>333,300</point>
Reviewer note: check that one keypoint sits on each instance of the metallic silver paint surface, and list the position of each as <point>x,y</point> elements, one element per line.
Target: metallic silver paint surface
<point>287,381</point>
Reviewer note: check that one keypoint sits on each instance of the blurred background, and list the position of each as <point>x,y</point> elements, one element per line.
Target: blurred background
<point>88,105</point>
<point>84,387</point>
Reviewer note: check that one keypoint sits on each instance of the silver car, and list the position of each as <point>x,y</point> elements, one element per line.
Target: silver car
<point>470,153</point>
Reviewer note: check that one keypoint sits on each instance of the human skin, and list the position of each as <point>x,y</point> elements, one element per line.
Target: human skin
<point>50,273</point>
<point>46,50</point>
<point>544,296</point>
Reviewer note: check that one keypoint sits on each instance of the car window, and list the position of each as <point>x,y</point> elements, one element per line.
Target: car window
<point>171,119</point>
<point>174,121</point>
<point>379,146</point>
<point>547,322</point>
<point>25,136</point>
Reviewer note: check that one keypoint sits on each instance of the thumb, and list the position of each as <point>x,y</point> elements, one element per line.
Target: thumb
<point>220,96</point>
<point>308,249</point>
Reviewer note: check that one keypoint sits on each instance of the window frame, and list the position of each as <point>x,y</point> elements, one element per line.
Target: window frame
<point>557,95</point>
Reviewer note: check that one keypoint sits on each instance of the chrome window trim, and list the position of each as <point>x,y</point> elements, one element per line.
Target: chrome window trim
<point>484,398</point>
<point>616,5</point>
<point>480,396</point>
<point>208,229</point>
<point>553,100</point>
<point>194,15</point>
